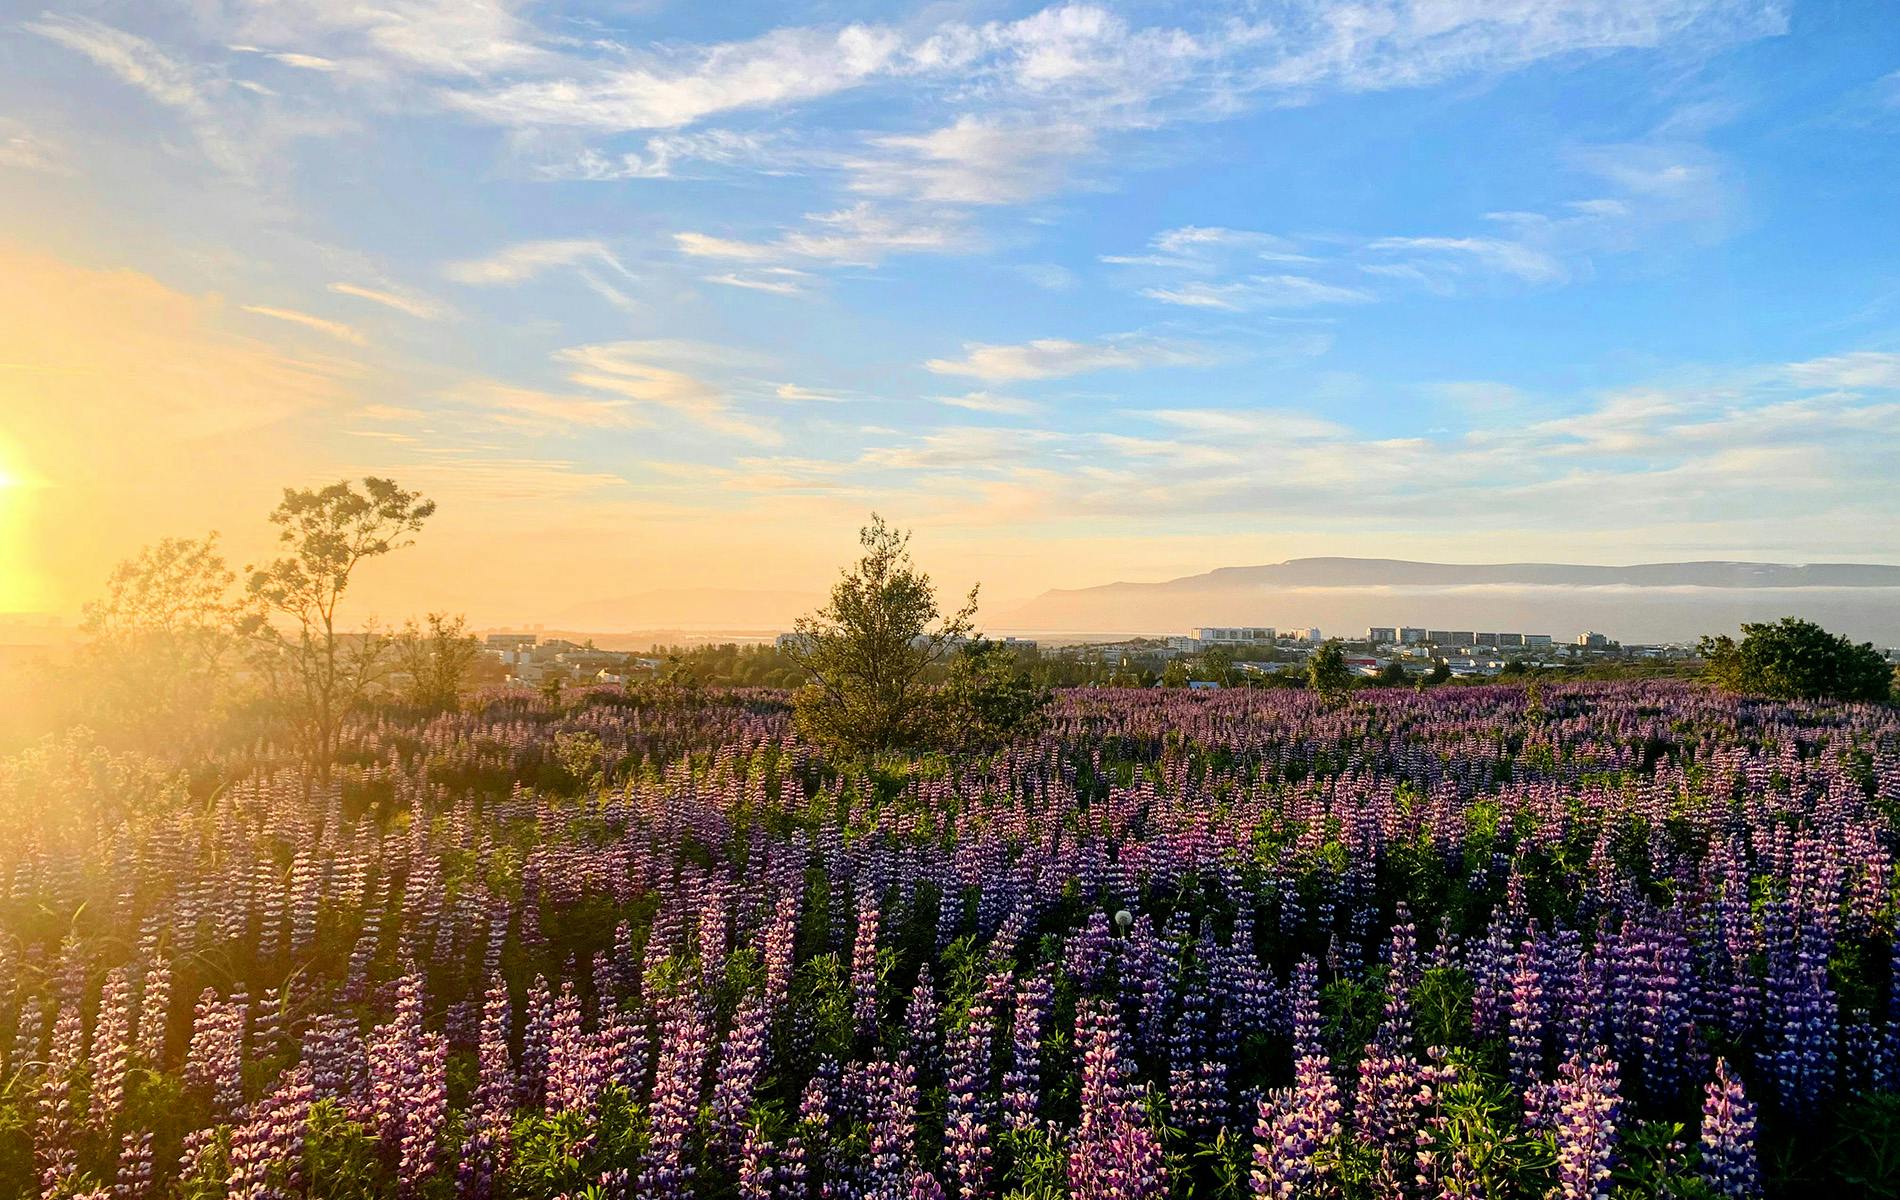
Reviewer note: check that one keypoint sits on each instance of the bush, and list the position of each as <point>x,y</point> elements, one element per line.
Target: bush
<point>1794,659</point>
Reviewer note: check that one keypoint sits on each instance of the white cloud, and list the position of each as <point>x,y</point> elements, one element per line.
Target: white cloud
<point>1433,255</point>
<point>1052,358</point>
<point>1258,291</point>
<point>963,447</point>
<point>673,88</point>
<point>974,161</point>
<point>449,38</point>
<point>1862,369</point>
<point>989,402</point>
<point>630,370</point>
<point>1271,424</point>
<point>660,158</point>
<point>798,394</point>
<point>414,306</point>
<point>1386,44</point>
<point>525,260</point>
<point>547,411</point>
<point>22,150</point>
<point>335,329</point>
<point>135,60</point>
<point>857,236</point>
<point>778,285</point>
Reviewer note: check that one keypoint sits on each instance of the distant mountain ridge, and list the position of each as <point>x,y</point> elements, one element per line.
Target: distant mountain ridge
<point>1398,572</point>
<point>1646,601</point>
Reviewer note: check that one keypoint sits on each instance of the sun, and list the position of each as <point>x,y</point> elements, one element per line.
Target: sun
<point>19,588</point>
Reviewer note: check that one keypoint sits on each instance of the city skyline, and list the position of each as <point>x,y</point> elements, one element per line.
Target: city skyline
<point>661,297</point>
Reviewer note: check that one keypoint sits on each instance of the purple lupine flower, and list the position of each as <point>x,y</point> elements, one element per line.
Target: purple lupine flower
<point>531,1079</point>
<point>270,1137</point>
<point>1086,953</point>
<point>489,1128</point>
<point>741,1062</point>
<point>755,1164</point>
<point>966,1139</point>
<point>864,967</point>
<point>889,1092</point>
<point>111,1047</point>
<point>795,1169</point>
<point>1115,1155</point>
<point>428,1109</point>
<point>133,1180</point>
<point>1585,1101</point>
<point>154,1012</point>
<point>1022,1080</point>
<point>1728,1137</point>
<point>921,1033</point>
<point>215,1061</point>
<point>408,1079</point>
<point>567,1089</point>
<point>1385,1108</point>
<point>685,1043</point>
<point>1293,1127</point>
<point>1530,1013</point>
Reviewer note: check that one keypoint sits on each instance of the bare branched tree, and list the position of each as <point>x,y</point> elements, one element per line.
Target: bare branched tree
<point>318,671</point>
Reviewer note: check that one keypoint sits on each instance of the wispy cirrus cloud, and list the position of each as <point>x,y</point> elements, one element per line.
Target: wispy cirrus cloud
<point>861,235</point>
<point>1861,369</point>
<point>525,260</point>
<point>134,60</point>
<point>1258,291</point>
<point>23,150</point>
<point>323,325</point>
<point>1054,358</point>
<point>639,372</point>
<point>419,307</point>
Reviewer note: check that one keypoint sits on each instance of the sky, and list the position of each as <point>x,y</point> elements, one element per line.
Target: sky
<point>654,295</point>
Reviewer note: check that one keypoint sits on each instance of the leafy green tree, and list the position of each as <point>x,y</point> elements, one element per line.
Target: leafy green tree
<point>160,644</point>
<point>1217,665</point>
<point>1175,674</point>
<point>1440,673</point>
<point>438,660</point>
<point>870,650</point>
<point>1392,674</point>
<point>990,699</point>
<point>1326,671</point>
<point>1793,659</point>
<point>317,670</point>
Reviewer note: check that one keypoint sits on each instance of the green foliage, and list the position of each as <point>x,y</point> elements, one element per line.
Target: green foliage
<point>1478,1126</point>
<point>564,1154</point>
<point>1326,671</point>
<point>989,700</point>
<point>1793,659</point>
<point>1858,1154</point>
<point>1036,1163</point>
<point>159,646</point>
<point>341,1159</point>
<point>17,1174</point>
<point>437,659</point>
<point>1654,1158</point>
<point>869,649</point>
<point>582,757</point>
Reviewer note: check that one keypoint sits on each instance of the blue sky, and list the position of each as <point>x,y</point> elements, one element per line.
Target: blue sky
<point>656,294</point>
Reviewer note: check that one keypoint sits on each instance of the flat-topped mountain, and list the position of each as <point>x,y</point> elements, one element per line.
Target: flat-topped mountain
<point>1644,601</point>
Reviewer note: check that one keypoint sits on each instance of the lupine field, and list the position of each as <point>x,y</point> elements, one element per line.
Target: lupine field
<point>1625,939</point>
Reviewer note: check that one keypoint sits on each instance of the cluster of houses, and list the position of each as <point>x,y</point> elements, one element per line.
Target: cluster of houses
<point>533,662</point>
<point>1417,649</point>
